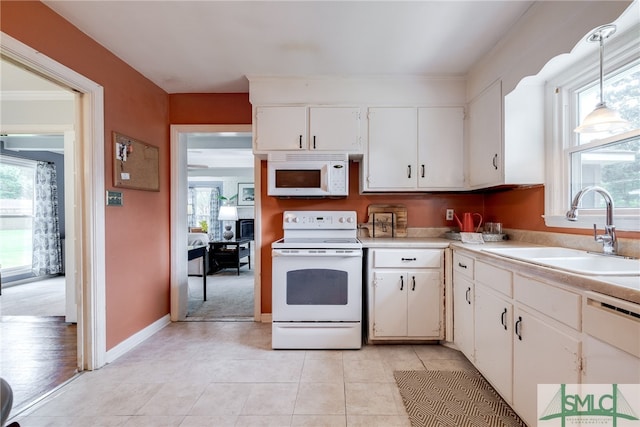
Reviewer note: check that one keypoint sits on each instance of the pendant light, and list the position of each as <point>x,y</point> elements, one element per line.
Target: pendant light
<point>602,119</point>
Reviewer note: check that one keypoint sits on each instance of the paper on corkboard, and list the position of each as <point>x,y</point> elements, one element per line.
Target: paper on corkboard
<point>135,164</point>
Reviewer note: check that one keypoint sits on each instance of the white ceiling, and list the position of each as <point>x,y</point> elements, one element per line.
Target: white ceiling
<point>211,46</point>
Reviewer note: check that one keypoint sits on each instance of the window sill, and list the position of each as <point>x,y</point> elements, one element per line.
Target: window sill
<point>622,223</point>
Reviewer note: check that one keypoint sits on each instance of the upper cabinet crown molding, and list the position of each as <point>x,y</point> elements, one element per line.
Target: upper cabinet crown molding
<point>375,90</point>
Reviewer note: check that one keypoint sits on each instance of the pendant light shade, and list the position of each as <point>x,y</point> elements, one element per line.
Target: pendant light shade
<point>603,119</point>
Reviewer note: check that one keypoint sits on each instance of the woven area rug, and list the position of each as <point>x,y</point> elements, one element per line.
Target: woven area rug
<point>453,398</point>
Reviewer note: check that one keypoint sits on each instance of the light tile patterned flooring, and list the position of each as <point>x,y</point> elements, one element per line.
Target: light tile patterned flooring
<point>226,374</point>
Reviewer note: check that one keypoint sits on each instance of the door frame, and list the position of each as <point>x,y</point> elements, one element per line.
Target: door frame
<point>179,229</point>
<point>89,245</point>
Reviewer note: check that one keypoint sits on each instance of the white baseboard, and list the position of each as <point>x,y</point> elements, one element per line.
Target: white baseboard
<point>266,318</point>
<point>137,338</point>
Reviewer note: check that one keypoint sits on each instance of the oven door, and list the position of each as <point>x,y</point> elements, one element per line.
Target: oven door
<point>317,285</point>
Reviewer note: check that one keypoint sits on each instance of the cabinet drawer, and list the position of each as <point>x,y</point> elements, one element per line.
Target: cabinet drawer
<point>494,277</point>
<point>407,258</point>
<point>561,305</point>
<point>463,265</point>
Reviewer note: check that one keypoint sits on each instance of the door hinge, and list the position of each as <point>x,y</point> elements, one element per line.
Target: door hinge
<point>580,364</point>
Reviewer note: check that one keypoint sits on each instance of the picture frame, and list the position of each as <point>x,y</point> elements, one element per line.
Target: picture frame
<point>246,194</point>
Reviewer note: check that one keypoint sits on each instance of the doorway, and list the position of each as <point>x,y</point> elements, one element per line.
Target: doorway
<point>84,262</point>
<point>228,145</point>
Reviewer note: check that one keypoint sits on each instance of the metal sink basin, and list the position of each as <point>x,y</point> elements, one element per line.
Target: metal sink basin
<point>572,260</point>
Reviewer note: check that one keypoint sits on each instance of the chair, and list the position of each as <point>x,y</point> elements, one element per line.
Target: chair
<point>195,265</point>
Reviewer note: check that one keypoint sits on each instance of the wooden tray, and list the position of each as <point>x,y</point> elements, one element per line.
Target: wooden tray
<point>399,218</point>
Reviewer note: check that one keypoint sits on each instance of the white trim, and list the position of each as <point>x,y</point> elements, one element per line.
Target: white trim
<point>266,318</point>
<point>136,339</point>
<point>560,139</point>
<point>90,237</point>
<point>179,283</point>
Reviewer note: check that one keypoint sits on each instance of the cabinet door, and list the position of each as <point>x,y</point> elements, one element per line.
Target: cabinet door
<point>485,137</point>
<point>281,128</point>
<point>424,304</point>
<point>392,149</point>
<point>334,129</point>
<point>543,354</point>
<point>440,148</point>
<point>494,339</point>
<point>390,304</point>
<point>463,290</point>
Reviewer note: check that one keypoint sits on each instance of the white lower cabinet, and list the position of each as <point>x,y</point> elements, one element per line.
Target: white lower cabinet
<point>542,354</point>
<point>463,294</point>
<point>494,339</point>
<point>525,332</point>
<point>407,302</point>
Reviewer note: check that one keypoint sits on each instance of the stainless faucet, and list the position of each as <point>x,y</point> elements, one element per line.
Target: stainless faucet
<point>608,239</point>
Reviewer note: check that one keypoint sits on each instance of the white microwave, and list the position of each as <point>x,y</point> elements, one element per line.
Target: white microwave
<point>307,174</point>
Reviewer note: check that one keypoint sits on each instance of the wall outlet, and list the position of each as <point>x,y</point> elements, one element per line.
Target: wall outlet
<point>449,215</point>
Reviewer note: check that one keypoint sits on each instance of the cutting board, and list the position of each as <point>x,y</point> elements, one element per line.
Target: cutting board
<point>399,218</point>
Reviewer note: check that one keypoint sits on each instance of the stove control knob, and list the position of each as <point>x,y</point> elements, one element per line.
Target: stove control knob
<point>290,218</point>
<point>350,220</point>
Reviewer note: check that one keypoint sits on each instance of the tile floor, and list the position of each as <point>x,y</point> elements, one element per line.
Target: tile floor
<point>226,374</point>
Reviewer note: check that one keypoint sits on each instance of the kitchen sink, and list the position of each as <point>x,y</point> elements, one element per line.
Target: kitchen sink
<point>537,252</point>
<point>572,260</point>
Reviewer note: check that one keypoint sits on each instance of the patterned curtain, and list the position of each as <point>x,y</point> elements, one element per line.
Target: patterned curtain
<point>47,251</point>
<point>215,226</point>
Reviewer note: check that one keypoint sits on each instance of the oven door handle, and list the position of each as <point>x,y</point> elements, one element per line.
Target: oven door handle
<point>315,253</point>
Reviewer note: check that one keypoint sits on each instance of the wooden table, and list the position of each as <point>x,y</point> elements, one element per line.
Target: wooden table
<point>194,252</point>
<point>229,253</point>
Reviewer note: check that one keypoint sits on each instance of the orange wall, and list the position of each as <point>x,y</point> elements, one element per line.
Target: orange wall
<point>137,234</point>
<point>209,108</point>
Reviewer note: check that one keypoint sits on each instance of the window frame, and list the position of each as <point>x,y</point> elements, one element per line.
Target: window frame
<point>561,106</point>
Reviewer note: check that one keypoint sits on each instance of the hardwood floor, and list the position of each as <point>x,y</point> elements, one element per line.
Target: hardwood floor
<point>38,352</point>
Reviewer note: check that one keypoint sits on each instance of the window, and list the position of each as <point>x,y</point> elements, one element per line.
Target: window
<point>16,215</point>
<point>577,160</point>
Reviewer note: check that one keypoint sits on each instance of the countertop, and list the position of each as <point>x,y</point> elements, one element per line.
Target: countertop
<point>405,242</point>
<point>623,287</point>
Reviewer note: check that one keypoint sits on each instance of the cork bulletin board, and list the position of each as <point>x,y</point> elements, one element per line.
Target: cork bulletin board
<point>135,164</point>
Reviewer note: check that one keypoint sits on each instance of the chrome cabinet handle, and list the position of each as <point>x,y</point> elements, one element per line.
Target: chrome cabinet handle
<point>518,326</point>
<point>408,171</point>
<point>413,288</point>
<point>461,265</point>
<point>466,295</point>
<point>495,161</point>
<point>503,319</point>
<point>401,282</point>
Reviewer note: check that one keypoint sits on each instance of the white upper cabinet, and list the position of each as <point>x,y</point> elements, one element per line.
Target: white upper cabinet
<point>485,138</point>
<point>335,129</point>
<point>414,149</point>
<point>441,148</point>
<point>391,153</point>
<point>506,137</point>
<point>307,128</point>
<point>281,128</point>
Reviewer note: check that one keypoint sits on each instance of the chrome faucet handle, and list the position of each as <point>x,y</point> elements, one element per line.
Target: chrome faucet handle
<point>608,240</point>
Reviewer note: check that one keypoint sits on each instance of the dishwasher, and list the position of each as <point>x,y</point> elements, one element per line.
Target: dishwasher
<point>611,345</point>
